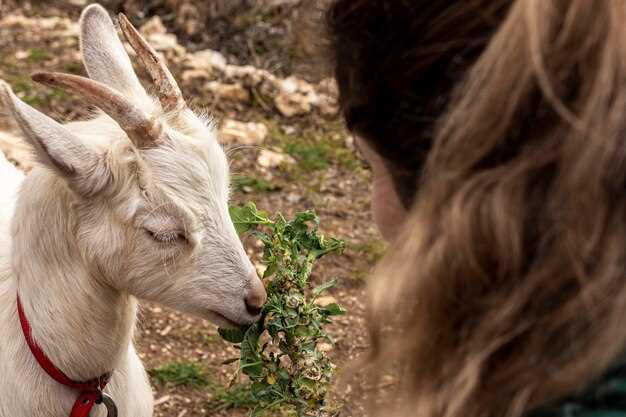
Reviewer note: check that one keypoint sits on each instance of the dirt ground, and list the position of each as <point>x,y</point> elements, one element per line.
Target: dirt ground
<point>289,152</point>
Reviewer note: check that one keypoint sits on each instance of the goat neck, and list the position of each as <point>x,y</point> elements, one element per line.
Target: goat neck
<point>83,325</point>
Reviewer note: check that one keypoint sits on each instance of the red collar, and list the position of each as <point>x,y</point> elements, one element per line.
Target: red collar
<point>90,392</point>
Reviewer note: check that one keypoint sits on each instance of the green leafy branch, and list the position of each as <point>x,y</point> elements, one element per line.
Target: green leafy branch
<point>280,352</point>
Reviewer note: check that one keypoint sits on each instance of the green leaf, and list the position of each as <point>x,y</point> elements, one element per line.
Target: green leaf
<point>247,217</point>
<point>302,331</point>
<point>269,271</point>
<point>333,310</point>
<point>251,363</point>
<point>274,326</point>
<point>234,335</point>
<point>328,247</point>
<point>253,369</point>
<point>283,375</point>
<point>325,286</point>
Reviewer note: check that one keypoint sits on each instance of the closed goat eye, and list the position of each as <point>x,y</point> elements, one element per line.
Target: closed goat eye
<point>168,237</point>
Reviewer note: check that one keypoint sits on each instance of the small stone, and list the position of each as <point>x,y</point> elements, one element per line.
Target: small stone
<point>163,41</point>
<point>292,104</point>
<point>162,400</point>
<point>293,84</point>
<point>293,198</point>
<point>325,301</point>
<point>207,59</point>
<point>156,34</point>
<point>17,150</point>
<point>260,269</point>
<point>247,74</point>
<point>277,3</point>
<point>289,85</point>
<point>166,331</point>
<point>20,55</point>
<point>243,133</point>
<point>349,142</point>
<point>328,86</point>
<point>189,18</point>
<point>71,30</point>
<point>232,92</point>
<point>324,347</point>
<point>288,130</point>
<point>387,380</point>
<point>194,74</point>
<point>271,159</point>
<point>295,97</point>
<point>328,106</point>
<point>152,26</point>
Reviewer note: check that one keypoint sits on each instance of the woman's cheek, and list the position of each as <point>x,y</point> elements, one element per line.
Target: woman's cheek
<point>389,213</point>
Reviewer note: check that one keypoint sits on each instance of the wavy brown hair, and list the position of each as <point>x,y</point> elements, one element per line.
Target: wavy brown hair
<point>507,290</point>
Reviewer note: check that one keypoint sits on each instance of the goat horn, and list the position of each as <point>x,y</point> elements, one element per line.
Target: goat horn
<point>143,130</point>
<point>170,96</point>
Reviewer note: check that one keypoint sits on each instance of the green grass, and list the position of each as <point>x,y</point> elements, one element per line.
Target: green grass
<point>316,149</point>
<point>211,338</point>
<point>371,250</point>
<point>192,375</point>
<point>24,87</point>
<point>247,184</point>
<point>240,396</point>
<point>37,55</point>
<point>311,156</point>
<point>367,254</point>
<point>261,101</point>
<point>73,67</point>
<point>181,373</point>
<point>32,93</point>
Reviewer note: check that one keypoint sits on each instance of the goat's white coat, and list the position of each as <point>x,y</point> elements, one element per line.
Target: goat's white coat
<point>77,250</point>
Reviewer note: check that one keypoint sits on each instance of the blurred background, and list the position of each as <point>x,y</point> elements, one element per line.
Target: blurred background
<point>255,66</point>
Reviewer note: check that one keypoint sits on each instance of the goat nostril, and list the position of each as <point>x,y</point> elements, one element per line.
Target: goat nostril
<point>253,310</point>
<point>255,296</point>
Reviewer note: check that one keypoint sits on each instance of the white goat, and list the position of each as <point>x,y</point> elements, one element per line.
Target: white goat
<point>132,203</point>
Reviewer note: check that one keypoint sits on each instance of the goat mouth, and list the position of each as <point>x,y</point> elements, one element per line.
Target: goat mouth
<point>221,320</point>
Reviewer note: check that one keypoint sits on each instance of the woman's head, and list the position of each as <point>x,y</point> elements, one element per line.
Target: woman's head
<point>396,63</point>
<point>502,125</point>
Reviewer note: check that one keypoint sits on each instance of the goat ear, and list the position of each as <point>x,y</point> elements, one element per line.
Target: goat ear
<point>104,55</point>
<point>55,146</point>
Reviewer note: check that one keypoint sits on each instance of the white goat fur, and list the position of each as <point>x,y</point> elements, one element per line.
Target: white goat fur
<point>79,248</point>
